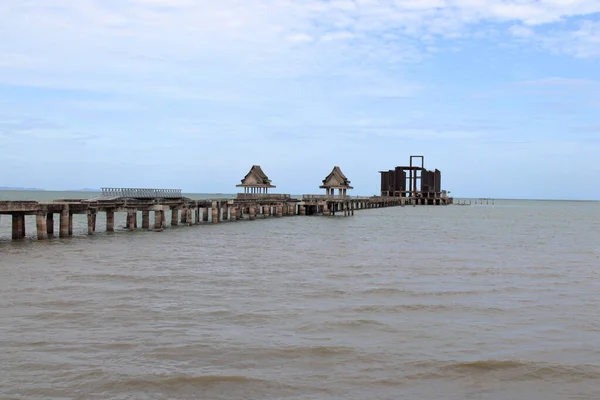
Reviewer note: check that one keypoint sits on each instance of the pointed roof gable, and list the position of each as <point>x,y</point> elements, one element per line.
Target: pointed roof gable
<point>256,178</point>
<point>336,179</point>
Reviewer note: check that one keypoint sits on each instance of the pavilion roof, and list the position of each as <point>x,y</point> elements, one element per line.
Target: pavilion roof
<point>256,178</point>
<point>336,179</point>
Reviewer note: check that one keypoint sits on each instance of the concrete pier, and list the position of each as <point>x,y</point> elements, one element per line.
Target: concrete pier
<point>42,229</point>
<point>215,212</point>
<point>18,226</point>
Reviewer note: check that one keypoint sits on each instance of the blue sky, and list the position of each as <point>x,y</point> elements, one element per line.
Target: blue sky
<point>503,96</point>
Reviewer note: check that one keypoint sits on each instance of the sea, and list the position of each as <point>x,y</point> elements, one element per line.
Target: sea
<point>489,301</point>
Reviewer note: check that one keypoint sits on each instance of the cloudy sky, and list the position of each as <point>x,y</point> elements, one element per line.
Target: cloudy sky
<point>503,96</point>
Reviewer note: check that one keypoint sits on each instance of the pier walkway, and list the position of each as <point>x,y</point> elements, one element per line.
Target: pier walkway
<point>155,204</point>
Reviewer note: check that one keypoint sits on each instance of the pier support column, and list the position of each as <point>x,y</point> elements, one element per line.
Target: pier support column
<point>174,216</point>
<point>146,219</point>
<point>233,214</point>
<point>205,214</point>
<point>215,212</point>
<point>238,214</point>
<point>184,215</point>
<point>251,215</point>
<point>225,213</point>
<point>131,217</point>
<point>42,229</point>
<point>90,222</point>
<point>352,208</point>
<point>302,210</point>
<point>197,220</point>
<point>190,217</point>
<point>18,226</point>
<point>326,211</point>
<point>65,218</point>
<point>70,224</point>
<point>50,224</point>
<point>110,221</point>
<point>279,211</point>
<point>158,220</point>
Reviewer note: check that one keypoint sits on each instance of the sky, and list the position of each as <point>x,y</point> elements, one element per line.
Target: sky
<point>503,96</point>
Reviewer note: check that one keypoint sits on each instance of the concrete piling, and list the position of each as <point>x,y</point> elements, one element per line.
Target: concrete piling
<point>215,212</point>
<point>50,224</point>
<point>110,221</point>
<point>251,213</point>
<point>146,219</point>
<point>158,220</point>
<point>42,229</point>
<point>65,218</point>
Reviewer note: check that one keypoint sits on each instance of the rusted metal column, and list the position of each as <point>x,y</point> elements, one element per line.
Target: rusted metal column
<point>50,224</point>
<point>110,221</point>
<point>158,220</point>
<point>251,213</point>
<point>145,219</point>
<point>233,214</point>
<point>64,221</point>
<point>215,212</point>
<point>90,223</point>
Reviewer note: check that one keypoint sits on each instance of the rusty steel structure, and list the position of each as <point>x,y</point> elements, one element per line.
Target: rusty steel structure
<point>412,181</point>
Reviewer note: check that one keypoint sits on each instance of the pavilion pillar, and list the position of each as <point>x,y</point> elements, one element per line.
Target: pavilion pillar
<point>110,221</point>
<point>64,221</point>
<point>145,219</point>
<point>50,224</point>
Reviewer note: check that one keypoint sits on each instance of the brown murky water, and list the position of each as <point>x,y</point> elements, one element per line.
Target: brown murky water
<point>420,303</point>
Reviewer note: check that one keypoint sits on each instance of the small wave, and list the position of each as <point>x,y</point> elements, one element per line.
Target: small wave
<point>165,382</point>
<point>514,370</point>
